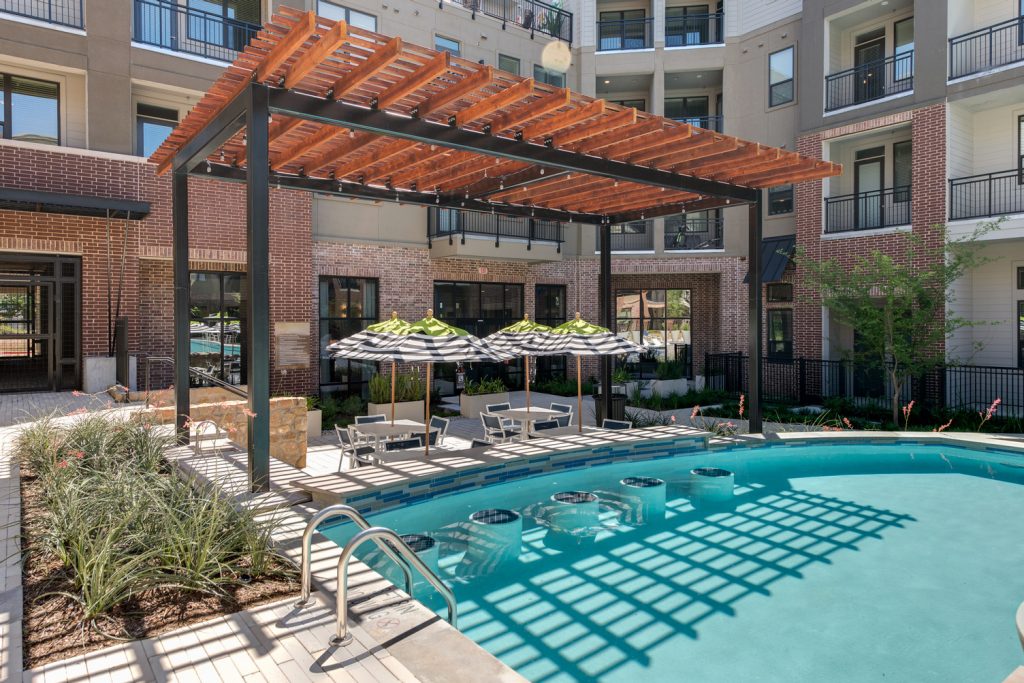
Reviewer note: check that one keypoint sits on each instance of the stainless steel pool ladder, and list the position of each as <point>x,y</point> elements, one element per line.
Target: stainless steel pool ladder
<point>397,550</point>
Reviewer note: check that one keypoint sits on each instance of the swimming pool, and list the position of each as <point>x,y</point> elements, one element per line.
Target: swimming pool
<point>838,562</point>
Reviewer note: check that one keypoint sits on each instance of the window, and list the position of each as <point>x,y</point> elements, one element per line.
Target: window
<point>779,292</point>
<point>550,310</point>
<point>222,22</point>
<point>780,200</point>
<point>329,10</point>
<point>152,125</point>
<point>687,25</point>
<point>692,110</point>
<point>623,30</point>
<point>639,105</point>
<point>509,64</point>
<point>1020,147</point>
<point>1020,274</point>
<point>347,305</point>
<point>447,45</point>
<point>217,324</point>
<point>901,170</point>
<point>29,110</point>
<point>1020,334</point>
<point>780,77</point>
<point>657,318</point>
<point>780,333</point>
<point>903,39</point>
<point>542,75</point>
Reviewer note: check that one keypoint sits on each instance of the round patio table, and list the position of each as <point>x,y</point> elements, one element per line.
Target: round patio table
<point>386,430</point>
<point>528,417</point>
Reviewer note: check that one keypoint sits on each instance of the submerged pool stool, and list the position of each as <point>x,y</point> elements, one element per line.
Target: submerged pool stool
<point>495,536</point>
<point>644,498</point>
<point>425,547</point>
<point>572,512</point>
<point>711,486</point>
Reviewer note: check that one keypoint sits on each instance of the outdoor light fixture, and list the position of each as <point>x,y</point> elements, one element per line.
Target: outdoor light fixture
<point>209,167</point>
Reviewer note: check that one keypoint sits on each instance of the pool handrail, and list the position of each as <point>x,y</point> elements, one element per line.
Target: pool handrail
<point>348,512</point>
<point>342,636</point>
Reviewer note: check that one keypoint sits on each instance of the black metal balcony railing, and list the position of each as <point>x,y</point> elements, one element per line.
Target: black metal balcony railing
<point>711,122</point>
<point>627,34</point>
<point>694,29</point>
<point>871,81</point>
<point>986,195</point>
<point>533,15</point>
<point>456,224</point>
<point>987,48</point>
<point>868,210</point>
<point>689,233</point>
<point>633,236</point>
<point>185,29</point>
<point>63,12</point>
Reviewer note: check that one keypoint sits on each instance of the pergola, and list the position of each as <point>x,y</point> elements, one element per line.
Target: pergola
<point>317,105</point>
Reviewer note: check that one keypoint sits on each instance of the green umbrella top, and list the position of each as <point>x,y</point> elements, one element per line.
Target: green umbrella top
<point>524,326</point>
<point>393,325</point>
<point>432,327</point>
<point>579,326</point>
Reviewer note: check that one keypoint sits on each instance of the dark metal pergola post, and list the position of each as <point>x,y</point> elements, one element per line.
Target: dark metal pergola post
<point>754,318</point>
<point>182,341</point>
<point>258,289</point>
<point>606,315</point>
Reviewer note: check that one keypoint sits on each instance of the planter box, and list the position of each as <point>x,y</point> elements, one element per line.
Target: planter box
<point>472,406</point>
<point>314,423</point>
<point>664,387</point>
<point>404,410</point>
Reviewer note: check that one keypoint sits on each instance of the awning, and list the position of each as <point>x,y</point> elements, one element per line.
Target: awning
<point>14,199</point>
<point>775,253</point>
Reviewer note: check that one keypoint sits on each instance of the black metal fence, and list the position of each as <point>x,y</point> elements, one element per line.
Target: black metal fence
<point>686,233</point>
<point>711,121</point>
<point>63,12</point>
<point>986,194</point>
<point>987,48</point>
<point>694,29</point>
<point>633,236</point>
<point>868,210</point>
<point>456,224</point>
<point>532,15</point>
<point>625,34</point>
<point>871,81</point>
<point>185,29</point>
<point>804,381</point>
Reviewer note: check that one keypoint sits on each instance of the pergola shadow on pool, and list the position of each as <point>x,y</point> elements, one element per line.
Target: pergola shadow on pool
<point>317,105</point>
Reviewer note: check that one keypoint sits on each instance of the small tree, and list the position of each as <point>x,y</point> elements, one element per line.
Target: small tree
<point>898,305</point>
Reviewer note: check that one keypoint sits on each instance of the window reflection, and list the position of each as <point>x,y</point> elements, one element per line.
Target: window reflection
<point>347,306</point>
<point>216,330</point>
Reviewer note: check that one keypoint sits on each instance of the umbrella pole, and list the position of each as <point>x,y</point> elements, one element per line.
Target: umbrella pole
<point>527,359</point>
<point>426,418</point>
<point>392,393</point>
<point>579,396</point>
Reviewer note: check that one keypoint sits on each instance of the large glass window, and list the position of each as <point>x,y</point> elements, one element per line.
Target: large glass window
<point>550,307</point>
<point>903,38</point>
<point>30,110</point>
<point>692,110</point>
<point>509,64</point>
<point>1020,146</point>
<point>542,75</point>
<point>780,200</point>
<point>622,30</point>
<point>330,10</point>
<point>639,105</point>
<point>780,77</point>
<point>902,166</point>
<point>1020,334</point>
<point>216,325</point>
<point>347,305</point>
<point>658,319</point>
<point>208,23</point>
<point>152,125</point>
<point>447,44</point>
<point>686,25</point>
<point>780,333</point>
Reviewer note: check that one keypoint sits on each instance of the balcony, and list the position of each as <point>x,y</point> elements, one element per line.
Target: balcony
<point>986,195</point>
<point>710,122</point>
<point>867,210</point>
<point>633,236</point>
<point>625,34</point>
<point>454,224</point>
<point>185,29</point>
<point>693,233</point>
<point>532,15</point>
<point>987,48</point>
<point>61,12</point>
<point>694,29</point>
<point>870,81</point>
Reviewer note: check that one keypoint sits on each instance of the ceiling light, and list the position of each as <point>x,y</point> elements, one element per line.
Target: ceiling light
<point>700,75</point>
<point>606,81</point>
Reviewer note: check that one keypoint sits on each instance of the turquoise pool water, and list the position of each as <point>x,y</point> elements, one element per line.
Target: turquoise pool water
<point>835,563</point>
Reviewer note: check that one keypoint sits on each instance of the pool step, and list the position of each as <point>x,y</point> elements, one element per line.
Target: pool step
<point>1016,677</point>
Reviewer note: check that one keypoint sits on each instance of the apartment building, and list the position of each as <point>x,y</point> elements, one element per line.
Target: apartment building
<point>91,88</point>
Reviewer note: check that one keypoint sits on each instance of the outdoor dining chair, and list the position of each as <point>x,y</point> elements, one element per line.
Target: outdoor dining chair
<point>565,419</point>
<point>545,424</point>
<point>480,443</point>
<point>357,455</point>
<point>367,419</point>
<point>496,431</point>
<point>616,424</point>
<point>441,424</point>
<point>495,407</point>
<point>404,444</point>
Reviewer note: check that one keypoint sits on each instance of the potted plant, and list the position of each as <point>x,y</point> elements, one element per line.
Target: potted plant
<point>475,398</point>
<point>314,417</point>
<point>409,394</point>
<point>671,378</point>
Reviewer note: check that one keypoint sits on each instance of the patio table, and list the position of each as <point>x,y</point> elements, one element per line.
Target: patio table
<point>387,430</point>
<point>528,417</point>
<point>571,430</point>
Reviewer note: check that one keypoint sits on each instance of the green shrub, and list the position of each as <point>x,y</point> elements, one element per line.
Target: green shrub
<point>563,387</point>
<point>380,388</point>
<point>484,386</point>
<point>672,369</point>
<point>352,405</point>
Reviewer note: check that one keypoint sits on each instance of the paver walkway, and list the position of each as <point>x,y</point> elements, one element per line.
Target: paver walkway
<point>18,408</point>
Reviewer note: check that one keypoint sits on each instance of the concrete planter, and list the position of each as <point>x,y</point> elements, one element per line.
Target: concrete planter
<point>404,410</point>
<point>664,387</point>
<point>472,406</point>
<point>314,423</point>
<point>99,373</point>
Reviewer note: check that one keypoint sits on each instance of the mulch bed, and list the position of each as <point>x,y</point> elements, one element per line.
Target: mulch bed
<point>52,624</point>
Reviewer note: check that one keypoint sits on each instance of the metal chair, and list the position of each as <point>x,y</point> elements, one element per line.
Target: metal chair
<point>616,424</point>
<point>349,448</point>
<point>541,425</point>
<point>496,431</point>
<point>441,423</point>
<point>404,444</point>
<point>507,421</point>
<point>565,419</point>
<point>366,419</point>
<point>479,443</point>
<point>562,407</point>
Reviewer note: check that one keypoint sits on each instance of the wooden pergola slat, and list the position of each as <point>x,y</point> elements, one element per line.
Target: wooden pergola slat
<point>365,71</point>
<point>321,50</point>
<point>414,81</point>
<point>498,100</point>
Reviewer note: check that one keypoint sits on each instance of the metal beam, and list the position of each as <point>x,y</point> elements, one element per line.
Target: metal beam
<point>18,199</point>
<point>381,123</point>
<point>358,191</point>
<point>182,339</point>
<point>606,314</point>
<point>258,281</point>
<point>214,134</point>
<point>754,319</point>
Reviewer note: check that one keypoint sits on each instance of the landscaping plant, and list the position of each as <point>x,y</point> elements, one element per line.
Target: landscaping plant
<point>484,386</point>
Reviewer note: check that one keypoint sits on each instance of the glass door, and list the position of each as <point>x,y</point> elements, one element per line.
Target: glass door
<point>869,176</point>
<point>26,336</point>
<point>868,55</point>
